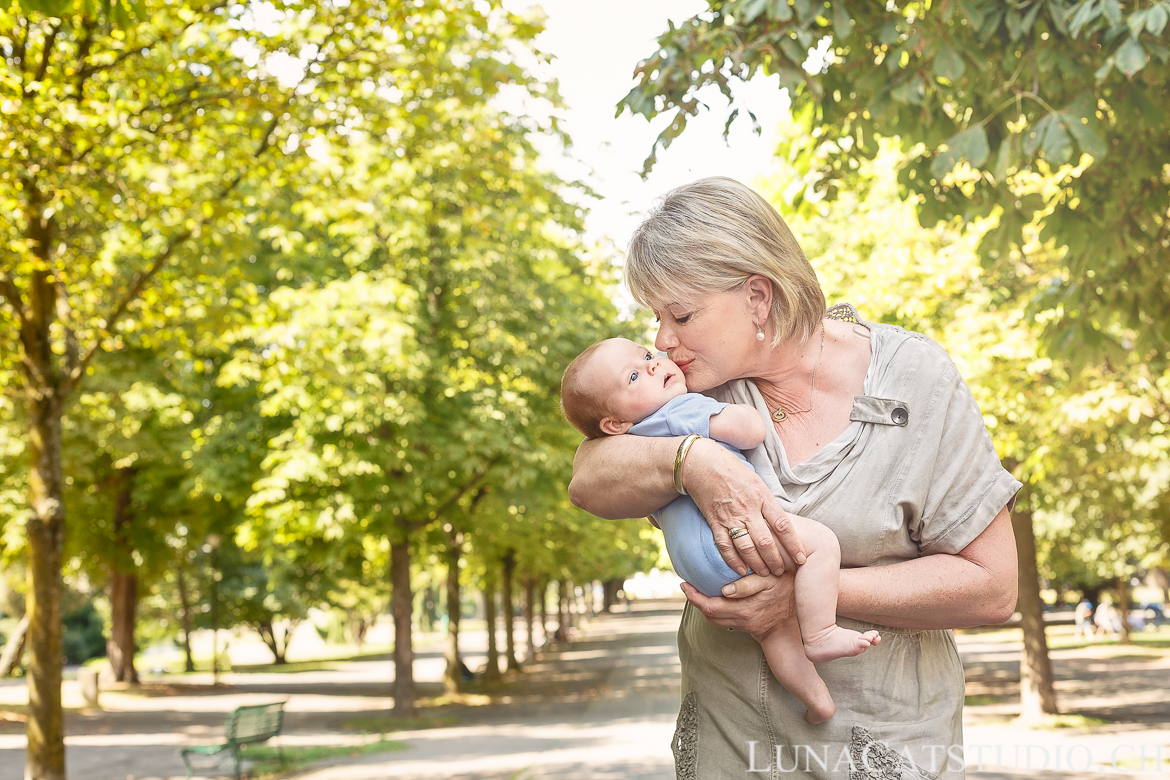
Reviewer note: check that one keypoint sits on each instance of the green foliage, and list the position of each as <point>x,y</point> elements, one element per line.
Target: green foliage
<point>84,637</point>
<point>988,100</point>
<point>1091,445</point>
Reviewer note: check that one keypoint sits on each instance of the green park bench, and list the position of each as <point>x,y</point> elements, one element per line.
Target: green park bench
<point>250,724</point>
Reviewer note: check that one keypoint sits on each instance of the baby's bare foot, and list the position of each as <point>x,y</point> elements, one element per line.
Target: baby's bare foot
<point>837,642</point>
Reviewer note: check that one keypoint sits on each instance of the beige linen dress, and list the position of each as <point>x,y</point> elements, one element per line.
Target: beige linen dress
<point>914,474</point>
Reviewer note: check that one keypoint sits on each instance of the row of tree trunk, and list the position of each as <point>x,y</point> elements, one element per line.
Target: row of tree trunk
<point>497,580</point>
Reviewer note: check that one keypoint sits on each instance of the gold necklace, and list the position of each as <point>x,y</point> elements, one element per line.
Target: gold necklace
<point>780,415</point>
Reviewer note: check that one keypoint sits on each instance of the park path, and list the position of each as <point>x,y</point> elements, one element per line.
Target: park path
<point>602,707</point>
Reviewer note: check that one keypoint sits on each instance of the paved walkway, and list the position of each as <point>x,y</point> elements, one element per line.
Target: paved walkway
<point>603,707</point>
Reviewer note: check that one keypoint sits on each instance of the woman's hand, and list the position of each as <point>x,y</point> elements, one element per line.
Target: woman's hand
<point>731,496</point>
<point>755,604</point>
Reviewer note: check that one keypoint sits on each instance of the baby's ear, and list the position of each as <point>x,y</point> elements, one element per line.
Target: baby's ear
<point>612,426</point>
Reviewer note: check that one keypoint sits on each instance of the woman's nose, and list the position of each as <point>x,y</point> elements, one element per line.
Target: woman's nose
<point>665,340</point>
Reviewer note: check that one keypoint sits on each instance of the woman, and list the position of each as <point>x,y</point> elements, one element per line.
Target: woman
<point>874,434</point>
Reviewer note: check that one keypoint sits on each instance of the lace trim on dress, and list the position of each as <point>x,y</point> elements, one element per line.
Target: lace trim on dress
<point>843,312</point>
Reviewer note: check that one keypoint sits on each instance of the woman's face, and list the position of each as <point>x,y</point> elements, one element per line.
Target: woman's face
<point>710,336</point>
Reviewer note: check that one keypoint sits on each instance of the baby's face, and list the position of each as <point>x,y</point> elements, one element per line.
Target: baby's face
<point>636,381</point>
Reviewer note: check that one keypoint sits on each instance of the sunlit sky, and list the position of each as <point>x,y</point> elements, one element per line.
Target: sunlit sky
<point>596,45</point>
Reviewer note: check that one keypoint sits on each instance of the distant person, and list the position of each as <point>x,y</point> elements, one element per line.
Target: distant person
<point>1083,616</point>
<point>616,387</point>
<point>1105,618</point>
<point>870,431</point>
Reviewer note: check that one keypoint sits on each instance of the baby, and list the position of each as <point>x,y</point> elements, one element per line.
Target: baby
<point>617,386</point>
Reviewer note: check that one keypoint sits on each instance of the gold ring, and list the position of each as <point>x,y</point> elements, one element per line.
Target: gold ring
<point>738,532</point>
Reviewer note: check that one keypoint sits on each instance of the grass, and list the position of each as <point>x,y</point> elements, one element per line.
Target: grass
<point>386,724</point>
<point>1055,722</point>
<point>264,760</point>
<point>981,699</point>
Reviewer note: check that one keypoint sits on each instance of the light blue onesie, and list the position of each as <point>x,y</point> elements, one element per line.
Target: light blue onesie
<point>689,540</point>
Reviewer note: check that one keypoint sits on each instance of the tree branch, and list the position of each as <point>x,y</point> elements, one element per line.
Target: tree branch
<point>470,485</point>
<point>46,51</point>
<point>137,285</point>
<point>137,48</point>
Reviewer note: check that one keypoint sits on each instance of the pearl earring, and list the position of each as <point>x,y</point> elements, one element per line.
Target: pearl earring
<point>759,332</point>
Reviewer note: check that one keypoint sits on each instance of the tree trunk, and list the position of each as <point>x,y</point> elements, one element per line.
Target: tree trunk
<point>562,608</point>
<point>543,590</point>
<point>14,648</point>
<point>530,618</point>
<point>611,594</point>
<point>276,640</point>
<point>492,673</point>
<point>1123,607</point>
<point>402,601</point>
<point>45,754</point>
<point>185,603</point>
<point>1164,584</point>
<point>453,677</point>
<point>1037,695</point>
<point>123,583</point>
<point>509,568</point>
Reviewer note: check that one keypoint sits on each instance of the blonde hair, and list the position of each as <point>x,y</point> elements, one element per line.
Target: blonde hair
<point>711,236</point>
<point>581,403</point>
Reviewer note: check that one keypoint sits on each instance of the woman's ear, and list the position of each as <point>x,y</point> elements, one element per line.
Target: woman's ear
<point>759,292</point>
<point>612,426</point>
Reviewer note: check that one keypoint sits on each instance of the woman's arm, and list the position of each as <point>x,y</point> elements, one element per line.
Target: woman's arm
<point>633,476</point>
<point>615,477</point>
<point>974,587</point>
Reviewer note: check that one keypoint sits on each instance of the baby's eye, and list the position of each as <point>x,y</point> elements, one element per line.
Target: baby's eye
<point>649,356</point>
<point>634,377</point>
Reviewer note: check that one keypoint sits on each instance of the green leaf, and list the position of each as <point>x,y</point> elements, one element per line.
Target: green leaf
<point>888,33</point>
<point>749,11</point>
<point>1081,119</point>
<point>779,10</point>
<point>1156,19</point>
<point>1136,21</point>
<point>1034,137</point>
<point>911,91</point>
<point>1008,148</point>
<point>1014,21</point>
<point>842,24</point>
<point>793,51</point>
<point>1086,12</point>
<point>1131,57</point>
<point>969,144</point>
<point>948,64</point>
<point>1112,11</point>
<point>1055,143</point>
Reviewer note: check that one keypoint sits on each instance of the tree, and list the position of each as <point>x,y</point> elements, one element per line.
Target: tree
<point>134,155</point>
<point>984,98</point>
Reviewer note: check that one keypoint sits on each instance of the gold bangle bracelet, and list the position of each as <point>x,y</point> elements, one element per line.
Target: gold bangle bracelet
<point>680,457</point>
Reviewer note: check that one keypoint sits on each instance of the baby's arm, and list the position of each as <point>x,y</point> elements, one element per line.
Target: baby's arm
<point>739,425</point>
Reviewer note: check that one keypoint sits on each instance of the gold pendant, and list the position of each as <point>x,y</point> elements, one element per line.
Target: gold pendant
<point>780,415</point>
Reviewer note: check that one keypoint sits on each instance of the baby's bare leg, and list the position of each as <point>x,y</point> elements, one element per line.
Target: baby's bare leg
<point>817,583</point>
<point>785,653</point>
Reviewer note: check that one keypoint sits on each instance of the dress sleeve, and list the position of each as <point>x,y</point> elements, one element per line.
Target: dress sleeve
<point>962,484</point>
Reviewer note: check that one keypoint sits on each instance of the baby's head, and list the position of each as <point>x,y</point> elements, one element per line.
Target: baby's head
<point>615,384</point>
